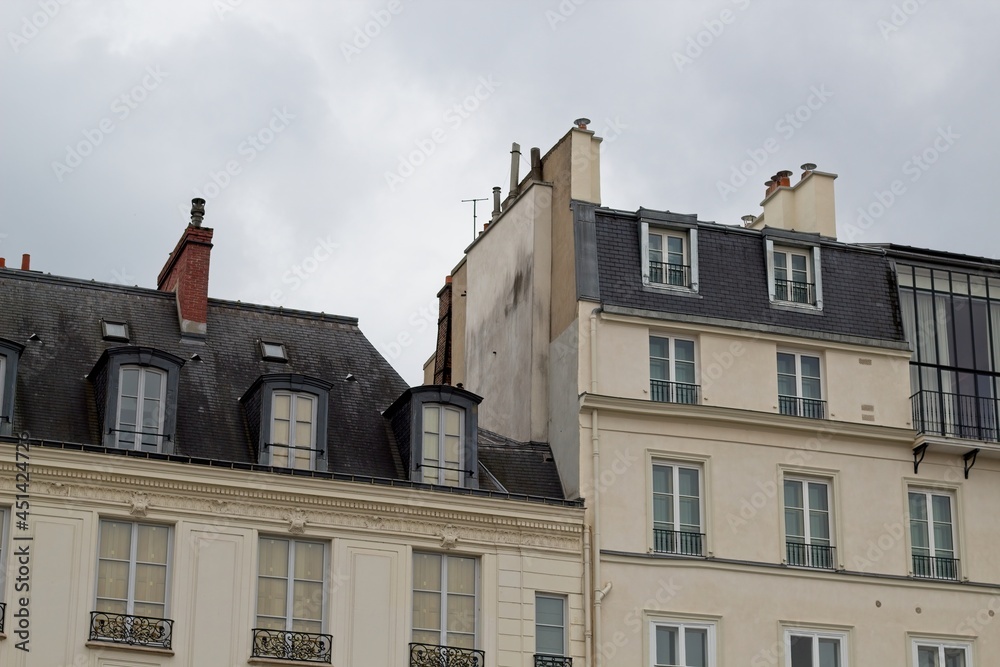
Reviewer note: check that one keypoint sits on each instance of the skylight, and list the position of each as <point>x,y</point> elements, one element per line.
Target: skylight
<point>114,330</point>
<point>271,351</point>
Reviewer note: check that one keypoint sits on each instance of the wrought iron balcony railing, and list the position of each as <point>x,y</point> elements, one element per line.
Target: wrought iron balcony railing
<point>933,567</point>
<point>802,407</point>
<point>662,273</point>
<point>542,660</point>
<point>794,291</point>
<point>956,415</point>
<point>3,612</point>
<point>432,655</point>
<point>673,392</point>
<point>810,555</point>
<point>131,630</point>
<point>678,542</point>
<point>289,645</point>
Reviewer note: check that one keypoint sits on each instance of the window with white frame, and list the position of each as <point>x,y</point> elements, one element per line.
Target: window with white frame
<point>10,352</point>
<point>800,386</point>
<point>794,275</point>
<point>443,451</point>
<point>677,511</point>
<point>293,430</point>
<point>936,653</point>
<point>290,585</point>
<point>3,551</point>
<point>682,644</point>
<point>672,370</point>
<point>808,539</point>
<point>445,600</point>
<point>932,534</point>
<point>132,570</point>
<point>141,403</point>
<point>670,257</point>
<point>810,648</point>
<point>550,624</point>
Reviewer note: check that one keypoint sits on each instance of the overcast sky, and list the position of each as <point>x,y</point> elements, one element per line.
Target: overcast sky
<point>334,141</point>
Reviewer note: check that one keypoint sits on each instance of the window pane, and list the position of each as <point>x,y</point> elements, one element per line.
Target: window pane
<point>684,350</point>
<point>112,606</point>
<point>786,363</point>
<point>786,385</point>
<point>431,453</point>
<point>942,508</point>
<point>282,406</point>
<point>666,645</point>
<point>918,506</point>
<point>153,384</point>
<point>452,451</point>
<point>695,647</point>
<point>309,561</point>
<point>549,610</point>
<point>150,416</point>
<point>127,413</point>
<point>116,540</point>
<point>271,600</point>
<point>152,544</point>
<point>802,651</point>
<point>130,382</point>
<point>819,526</point>
<point>461,613</point>
<point>430,419</point>
<point>303,409</point>
<point>424,637</point>
<point>273,557</point>
<point>658,347</point>
<point>943,540</point>
<point>675,244</point>
<point>549,640</point>
<point>281,436</point>
<point>954,657</point>
<point>150,583</point>
<point>427,612</point>
<point>452,421</point>
<point>687,481</point>
<point>112,579</point>
<point>829,653</point>
<point>794,523</point>
<point>817,496</point>
<point>810,366</point>
<point>299,625</point>
<point>303,436</point>
<point>799,263</point>
<point>459,640</point>
<point>462,575</point>
<point>307,600</point>
<point>659,369</point>
<point>811,389</point>
<point>655,242</point>
<point>662,482</point>
<point>663,508</point>
<point>427,572</point>
<point>927,656</point>
<point>793,494</point>
<point>690,515</point>
<point>780,260</point>
<point>684,371</point>
<point>149,609</point>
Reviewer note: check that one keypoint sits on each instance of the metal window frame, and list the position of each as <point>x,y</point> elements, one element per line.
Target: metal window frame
<point>133,546</point>
<point>290,582</point>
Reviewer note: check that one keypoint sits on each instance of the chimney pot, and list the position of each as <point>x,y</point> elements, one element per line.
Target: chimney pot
<point>748,220</point>
<point>582,123</point>
<point>197,211</point>
<point>3,263</point>
<point>784,178</point>
<point>25,262</point>
<point>770,187</point>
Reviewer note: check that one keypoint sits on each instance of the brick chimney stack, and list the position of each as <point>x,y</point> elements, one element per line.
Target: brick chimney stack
<point>186,274</point>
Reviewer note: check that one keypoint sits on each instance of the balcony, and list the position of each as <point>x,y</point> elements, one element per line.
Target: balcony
<point>288,645</point>
<point>552,661</point>
<point>802,407</point>
<point>131,630</point>
<point>819,556</point>
<point>676,275</point>
<point>677,542</point>
<point>794,291</point>
<point>673,392</point>
<point>432,655</point>
<point>931,567</point>
<point>956,415</point>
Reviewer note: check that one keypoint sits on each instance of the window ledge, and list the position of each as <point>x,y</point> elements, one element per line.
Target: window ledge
<point>670,289</point>
<point>129,647</point>
<point>282,661</point>
<point>797,307</point>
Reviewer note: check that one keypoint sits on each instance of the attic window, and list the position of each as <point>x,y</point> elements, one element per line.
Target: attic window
<point>117,331</point>
<point>273,351</point>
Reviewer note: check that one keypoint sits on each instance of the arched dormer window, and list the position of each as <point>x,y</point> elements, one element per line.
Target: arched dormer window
<point>136,389</point>
<point>10,353</point>
<point>287,417</point>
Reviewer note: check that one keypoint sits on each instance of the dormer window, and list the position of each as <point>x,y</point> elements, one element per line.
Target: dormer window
<point>10,352</point>
<point>794,275</point>
<point>271,351</point>
<point>443,460</point>
<point>293,430</point>
<point>669,246</point>
<point>141,404</point>
<point>287,416</point>
<point>116,331</point>
<point>668,259</point>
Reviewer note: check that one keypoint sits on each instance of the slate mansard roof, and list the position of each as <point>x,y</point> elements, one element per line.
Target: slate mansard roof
<point>860,298</point>
<point>58,321</point>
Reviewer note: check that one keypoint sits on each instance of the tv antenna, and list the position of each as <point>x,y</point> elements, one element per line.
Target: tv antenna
<point>474,214</point>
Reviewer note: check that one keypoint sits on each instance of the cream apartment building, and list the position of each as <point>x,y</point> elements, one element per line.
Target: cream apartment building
<point>734,404</point>
<point>192,482</point>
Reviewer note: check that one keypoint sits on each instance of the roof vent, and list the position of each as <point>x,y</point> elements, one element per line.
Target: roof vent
<point>748,220</point>
<point>582,123</point>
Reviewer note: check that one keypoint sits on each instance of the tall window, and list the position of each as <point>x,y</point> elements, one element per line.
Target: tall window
<point>3,551</point>
<point>671,370</point>
<point>550,624</point>
<point>132,574</point>
<point>290,575</point>
<point>668,263</point>
<point>807,524</point>
<point>793,277</point>
<point>677,509</point>
<point>805,648</point>
<point>140,407</point>
<point>293,430</point>
<point>800,390</point>
<point>929,653</point>
<point>683,644</point>
<point>3,381</point>
<point>445,603</point>
<point>932,535</point>
<point>443,459</point>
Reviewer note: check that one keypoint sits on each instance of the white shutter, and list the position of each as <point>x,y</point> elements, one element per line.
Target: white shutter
<point>769,261</point>
<point>817,278</point>
<point>644,249</point>
<point>693,240</point>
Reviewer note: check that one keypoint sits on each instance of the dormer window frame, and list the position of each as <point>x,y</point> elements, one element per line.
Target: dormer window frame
<point>10,354</point>
<point>666,230</point>
<point>786,297</point>
<point>265,388</point>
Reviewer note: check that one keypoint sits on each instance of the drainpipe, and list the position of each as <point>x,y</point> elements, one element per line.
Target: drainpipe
<point>588,632</point>
<point>593,350</point>
<point>596,508</point>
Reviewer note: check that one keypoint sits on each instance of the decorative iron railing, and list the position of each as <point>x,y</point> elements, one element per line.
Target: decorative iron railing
<point>131,630</point>
<point>794,291</point>
<point>802,407</point>
<point>290,645</point>
<point>662,273</point>
<point>935,567</point>
<point>432,655</point>
<point>956,415</point>
<point>673,392</point>
<point>810,555</point>
<point>677,542</point>
<point>552,661</point>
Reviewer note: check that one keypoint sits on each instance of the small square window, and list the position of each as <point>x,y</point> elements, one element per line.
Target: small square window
<point>114,330</point>
<point>273,351</point>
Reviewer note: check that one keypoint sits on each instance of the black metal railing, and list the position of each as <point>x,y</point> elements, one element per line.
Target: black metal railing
<point>131,630</point>
<point>663,273</point>
<point>552,661</point>
<point>432,655</point>
<point>802,407</point>
<point>810,555</point>
<point>677,542</point>
<point>794,291</point>
<point>673,392</point>
<point>289,645</point>
<point>935,567</point>
<point>3,612</point>
<point>956,415</point>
